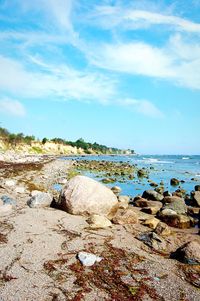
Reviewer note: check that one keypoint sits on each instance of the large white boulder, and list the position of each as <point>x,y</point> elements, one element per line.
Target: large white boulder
<point>85,196</point>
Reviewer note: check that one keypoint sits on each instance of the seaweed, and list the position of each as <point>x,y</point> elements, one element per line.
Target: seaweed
<point>5,229</point>
<point>3,238</point>
<point>5,277</point>
<point>106,276</point>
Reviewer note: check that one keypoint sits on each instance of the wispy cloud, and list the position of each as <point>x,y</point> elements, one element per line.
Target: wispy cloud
<point>144,107</point>
<point>59,82</point>
<point>12,107</point>
<point>118,16</point>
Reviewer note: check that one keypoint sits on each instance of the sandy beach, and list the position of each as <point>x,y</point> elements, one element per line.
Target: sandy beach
<point>39,248</point>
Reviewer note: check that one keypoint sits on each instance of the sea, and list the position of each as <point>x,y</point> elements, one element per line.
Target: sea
<point>165,167</point>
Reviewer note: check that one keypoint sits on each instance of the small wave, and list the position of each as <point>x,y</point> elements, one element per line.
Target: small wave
<point>155,161</point>
<point>185,158</point>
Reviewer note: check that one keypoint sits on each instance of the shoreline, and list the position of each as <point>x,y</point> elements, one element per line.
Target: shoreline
<point>39,248</point>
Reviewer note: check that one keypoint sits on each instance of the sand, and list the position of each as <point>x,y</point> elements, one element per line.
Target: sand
<point>39,247</point>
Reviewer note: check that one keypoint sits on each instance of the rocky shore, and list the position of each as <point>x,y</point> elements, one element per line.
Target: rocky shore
<point>90,242</point>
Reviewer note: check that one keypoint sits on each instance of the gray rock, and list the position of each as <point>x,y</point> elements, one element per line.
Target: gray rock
<point>40,200</point>
<point>176,204</point>
<point>152,195</point>
<point>88,259</point>
<point>168,212</point>
<point>152,240</point>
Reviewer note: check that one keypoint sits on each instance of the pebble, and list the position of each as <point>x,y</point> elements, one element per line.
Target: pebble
<point>20,189</point>
<point>8,201</point>
<point>10,183</point>
<point>88,259</point>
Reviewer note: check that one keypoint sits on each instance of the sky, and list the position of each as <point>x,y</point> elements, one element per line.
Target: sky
<point>122,73</point>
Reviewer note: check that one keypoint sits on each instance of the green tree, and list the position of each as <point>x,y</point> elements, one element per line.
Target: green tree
<point>44,140</point>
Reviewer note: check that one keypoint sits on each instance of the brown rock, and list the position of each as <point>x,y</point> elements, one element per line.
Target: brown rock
<point>188,253</point>
<point>99,221</point>
<point>193,210</point>
<point>123,201</point>
<point>178,221</point>
<point>196,198</point>
<point>162,229</point>
<point>141,202</point>
<point>197,188</point>
<point>171,199</point>
<point>151,210</point>
<point>124,217</point>
<point>151,223</point>
<point>174,182</point>
<point>116,189</point>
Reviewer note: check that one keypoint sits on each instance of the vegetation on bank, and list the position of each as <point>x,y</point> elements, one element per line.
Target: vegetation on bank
<point>17,139</point>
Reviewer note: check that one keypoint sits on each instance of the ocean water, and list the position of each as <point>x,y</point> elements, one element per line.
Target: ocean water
<point>165,167</point>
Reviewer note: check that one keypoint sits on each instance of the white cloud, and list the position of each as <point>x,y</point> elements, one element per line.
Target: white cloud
<point>143,107</point>
<point>177,61</point>
<point>12,107</point>
<point>137,58</point>
<point>54,81</point>
<point>112,16</point>
<point>62,83</point>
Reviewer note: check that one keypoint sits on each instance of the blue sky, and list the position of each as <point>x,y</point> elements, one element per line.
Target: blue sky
<point>122,73</point>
